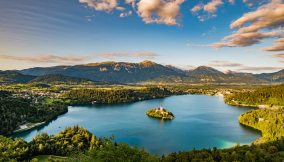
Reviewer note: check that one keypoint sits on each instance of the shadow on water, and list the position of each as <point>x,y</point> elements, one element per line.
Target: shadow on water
<point>115,105</point>
<point>250,129</point>
<point>161,121</point>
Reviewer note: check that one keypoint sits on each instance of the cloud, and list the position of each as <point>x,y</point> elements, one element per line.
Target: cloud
<point>125,14</point>
<point>251,3</point>
<point>197,8</point>
<point>141,55</point>
<point>240,39</point>
<point>260,68</point>
<point>102,5</point>
<point>232,1</point>
<point>132,2</point>
<point>217,63</point>
<point>253,27</point>
<point>46,59</point>
<point>206,11</point>
<point>242,67</point>
<point>280,57</point>
<point>270,15</point>
<point>219,45</point>
<point>159,11</point>
<point>151,11</point>
<point>278,46</point>
<point>212,6</point>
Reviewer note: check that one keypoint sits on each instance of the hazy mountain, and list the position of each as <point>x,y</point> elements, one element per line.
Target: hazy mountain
<point>8,77</point>
<point>110,71</point>
<point>272,77</point>
<point>151,72</point>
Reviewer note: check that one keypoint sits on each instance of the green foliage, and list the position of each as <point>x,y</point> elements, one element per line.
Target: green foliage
<point>82,146</point>
<point>160,113</point>
<point>268,152</point>
<point>269,122</point>
<point>115,152</point>
<point>13,150</point>
<point>15,111</point>
<point>270,95</point>
<point>70,140</point>
<point>114,95</point>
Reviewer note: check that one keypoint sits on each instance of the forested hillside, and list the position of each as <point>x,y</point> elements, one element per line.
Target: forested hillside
<point>269,95</point>
<point>269,122</point>
<point>78,144</point>
<point>15,111</point>
<point>10,77</point>
<point>269,119</point>
<point>114,95</point>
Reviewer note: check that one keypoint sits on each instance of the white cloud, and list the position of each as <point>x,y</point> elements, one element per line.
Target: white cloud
<point>71,59</point>
<point>206,11</point>
<point>140,55</point>
<point>102,5</point>
<point>125,14</point>
<point>151,11</point>
<point>213,5</point>
<point>253,27</point>
<point>197,8</point>
<point>159,11</point>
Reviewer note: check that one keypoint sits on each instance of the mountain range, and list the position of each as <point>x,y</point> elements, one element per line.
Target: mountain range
<point>143,72</point>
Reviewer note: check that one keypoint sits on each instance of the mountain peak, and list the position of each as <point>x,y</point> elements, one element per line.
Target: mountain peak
<point>205,70</point>
<point>147,63</point>
<point>100,63</point>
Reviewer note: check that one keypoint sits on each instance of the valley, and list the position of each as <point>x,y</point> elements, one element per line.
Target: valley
<point>30,107</point>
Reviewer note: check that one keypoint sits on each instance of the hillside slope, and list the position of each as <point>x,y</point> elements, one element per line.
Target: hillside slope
<point>9,77</point>
<point>151,72</point>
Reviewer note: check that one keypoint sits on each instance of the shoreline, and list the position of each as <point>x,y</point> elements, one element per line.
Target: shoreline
<point>218,94</point>
<point>28,126</point>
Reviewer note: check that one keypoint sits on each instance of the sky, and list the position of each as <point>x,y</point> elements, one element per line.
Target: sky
<point>237,35</point>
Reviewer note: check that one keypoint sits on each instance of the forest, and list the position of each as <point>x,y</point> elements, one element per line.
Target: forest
<point>268,95</point>
<point>269,122</point>
<point>270,119</point>
<point>113,95</point>
<point>78,144</point>
<point>15,111</point>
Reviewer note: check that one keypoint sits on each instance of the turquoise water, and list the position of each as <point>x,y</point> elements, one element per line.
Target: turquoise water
<point>201,122</point>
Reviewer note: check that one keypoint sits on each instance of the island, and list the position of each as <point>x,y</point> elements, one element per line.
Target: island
<point>160,113</point>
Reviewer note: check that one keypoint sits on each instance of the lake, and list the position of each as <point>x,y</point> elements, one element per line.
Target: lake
<point>201,122</point>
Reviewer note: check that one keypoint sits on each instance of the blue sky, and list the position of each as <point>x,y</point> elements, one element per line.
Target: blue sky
<point>55,32</point>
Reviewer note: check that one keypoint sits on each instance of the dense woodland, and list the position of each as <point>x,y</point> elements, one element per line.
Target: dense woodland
<point>15,111</point>
<point>269,122</point>
<point>114,95</point>
<point>78,144</point>
<point>270,95</point>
